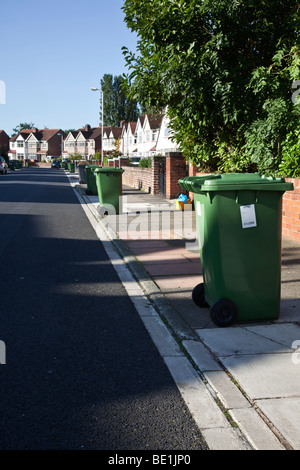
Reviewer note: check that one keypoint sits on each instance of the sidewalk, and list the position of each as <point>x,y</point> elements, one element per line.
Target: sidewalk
<point>252,371</point>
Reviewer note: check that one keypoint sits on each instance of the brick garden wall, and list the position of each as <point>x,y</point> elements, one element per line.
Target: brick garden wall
<point>175,169</point>
<point>148,178</point>
<point>291,212</point>
<point>137,177</point>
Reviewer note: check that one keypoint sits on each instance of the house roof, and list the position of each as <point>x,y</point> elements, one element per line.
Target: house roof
<point>92,133</point>
<point>116,131</point>
<point>154,121</point>
<point>132,126</point>
<point>40,134</point>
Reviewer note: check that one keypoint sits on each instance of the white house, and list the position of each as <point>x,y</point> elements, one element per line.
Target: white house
<point>128,139</point>
<point>86,142</point>
<point>150,135</point>
<point>70,143</point>
<point>165,143</point>
<point>111,138</point>
<point>36,144</point>
<point>145,136</point>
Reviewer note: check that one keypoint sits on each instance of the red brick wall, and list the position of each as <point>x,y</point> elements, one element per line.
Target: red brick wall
<point>138,177</point>
<point>175,169</point>
<point>291,212</point>
<point>4,142</point>
<point>155,175</point>
<point>54,146</point>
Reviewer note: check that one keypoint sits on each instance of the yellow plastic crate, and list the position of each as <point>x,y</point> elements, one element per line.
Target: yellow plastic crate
<point>184,206</point>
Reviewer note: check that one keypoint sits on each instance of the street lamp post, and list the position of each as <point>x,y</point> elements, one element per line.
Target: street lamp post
<point>99,89</point>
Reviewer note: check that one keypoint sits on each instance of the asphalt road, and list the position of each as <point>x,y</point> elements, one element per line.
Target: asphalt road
<point>81,371</point>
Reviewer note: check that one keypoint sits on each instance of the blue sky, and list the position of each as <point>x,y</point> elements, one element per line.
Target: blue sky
<point>52,53</point>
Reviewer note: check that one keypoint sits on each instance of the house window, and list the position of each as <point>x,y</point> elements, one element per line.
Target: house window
<point>80,144</point>
<point>44,145</point>
<point>20,144</point>
<point>147,136</point>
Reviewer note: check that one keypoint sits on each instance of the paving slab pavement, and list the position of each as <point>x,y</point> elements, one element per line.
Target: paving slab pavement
<point>252,371</point>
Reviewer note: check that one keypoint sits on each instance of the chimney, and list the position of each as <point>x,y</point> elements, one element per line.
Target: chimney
<point>87,127</point>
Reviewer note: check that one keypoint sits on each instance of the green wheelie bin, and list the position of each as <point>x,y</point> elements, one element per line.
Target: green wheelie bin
<point>91,180</point>
<point>71,167</point>
<point>238,220</point>
<point>109,186</point>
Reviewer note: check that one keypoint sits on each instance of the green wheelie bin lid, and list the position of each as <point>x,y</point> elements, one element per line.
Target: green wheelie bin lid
<point>108,169</point>
<point>234,181</point>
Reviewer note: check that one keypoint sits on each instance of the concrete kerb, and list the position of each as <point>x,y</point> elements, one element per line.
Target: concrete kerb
<point>238,423</point>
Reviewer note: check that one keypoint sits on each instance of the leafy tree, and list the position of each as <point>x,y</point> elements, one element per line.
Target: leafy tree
<point>21,126</point>
<point>117,105</point>
<point>66,131</point>
<point>225,69</point>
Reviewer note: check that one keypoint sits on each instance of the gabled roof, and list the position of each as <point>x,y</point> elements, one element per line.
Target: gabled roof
<point>92,133</point>
<point>132,126</point>
<point>154,121</point>
<point>40,134</point>
<point>115,131</point>
<point>73,134</point>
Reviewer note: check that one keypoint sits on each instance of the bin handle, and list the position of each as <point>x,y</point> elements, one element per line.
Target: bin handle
<point>256,196</point>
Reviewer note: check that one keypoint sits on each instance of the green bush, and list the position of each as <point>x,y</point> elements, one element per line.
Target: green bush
<point>290,162</point>
<point>145,162</point>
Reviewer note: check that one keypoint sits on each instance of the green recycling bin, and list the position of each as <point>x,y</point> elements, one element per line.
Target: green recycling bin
<point>109,186</point>
<point>11,165</point>
<point>91,180</point>
<point>71,167</point>
<point>238,220</point>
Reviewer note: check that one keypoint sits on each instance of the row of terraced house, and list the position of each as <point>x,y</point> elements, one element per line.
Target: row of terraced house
<point>148,136</point>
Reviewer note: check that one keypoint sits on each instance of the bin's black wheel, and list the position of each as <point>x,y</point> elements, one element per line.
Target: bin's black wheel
<point>223,312</point>
<point>102,210</point>
<point>198,296</point>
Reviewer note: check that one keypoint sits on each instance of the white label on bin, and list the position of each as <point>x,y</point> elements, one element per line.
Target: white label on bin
<point>248,216</point>
<point>198,208</point>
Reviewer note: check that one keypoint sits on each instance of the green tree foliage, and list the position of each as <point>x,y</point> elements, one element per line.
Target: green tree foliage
<point>117,105</point>
<point>225,70</point>
<point>21,126</point>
